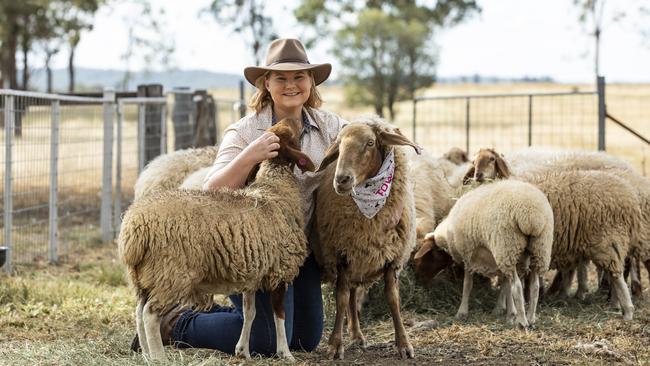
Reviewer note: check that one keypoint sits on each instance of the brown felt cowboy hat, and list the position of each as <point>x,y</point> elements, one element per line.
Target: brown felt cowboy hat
<point>288,55</point>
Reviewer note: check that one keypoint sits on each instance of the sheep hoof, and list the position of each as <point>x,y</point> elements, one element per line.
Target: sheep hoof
<point>461,315</point>
<point>581,295</point>
<point>286,355</point>
<point>241,351</point>
<point>335,352</point>
<point>628,314</point>
<point>406,351</point>
<point>360,340</point>
<point>524,326</point>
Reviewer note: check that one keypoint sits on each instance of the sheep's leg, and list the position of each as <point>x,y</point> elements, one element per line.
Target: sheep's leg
<point>342,293</point>
<point>242,347</point>
<point>511,311</point>
<point>468,281</point>
<point>391,291</point>
<point>354,328</point>
<point>623,295</point>
<point>583,287</point>
<point>139,327</point>
<point>635,279</point>
<point>518,297</point>
<point>556,285</point>
<point>533,296</point>
<point>152,333</point>
<point>567,281</point>
<point>500,307</point>
<point>614,302</point>
<point>277,303</point>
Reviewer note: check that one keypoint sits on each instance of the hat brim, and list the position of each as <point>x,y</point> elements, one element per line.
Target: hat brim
<point>320,71</point>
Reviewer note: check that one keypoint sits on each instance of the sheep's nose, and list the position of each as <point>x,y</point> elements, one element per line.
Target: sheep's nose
<point>343,179</point>
<point>479,176</point>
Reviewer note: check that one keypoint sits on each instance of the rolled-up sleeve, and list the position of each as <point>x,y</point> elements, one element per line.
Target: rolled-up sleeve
<point>231,145</point>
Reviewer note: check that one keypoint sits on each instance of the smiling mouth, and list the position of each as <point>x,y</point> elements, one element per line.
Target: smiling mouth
<point>291,94</point>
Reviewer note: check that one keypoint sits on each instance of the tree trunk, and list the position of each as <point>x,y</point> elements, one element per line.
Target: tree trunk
<point>9,46</point>
<point>48,71</point>
<point>71,68</point>
<point>597,52</point>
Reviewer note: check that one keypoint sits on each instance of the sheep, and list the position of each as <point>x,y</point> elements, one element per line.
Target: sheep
<point>456,155</point>
<point>532,159</point>
<point>181,246</point>
<point>169,171</point>
<point>356,248</point>
<point>490,230</point>
<point>597,216</point>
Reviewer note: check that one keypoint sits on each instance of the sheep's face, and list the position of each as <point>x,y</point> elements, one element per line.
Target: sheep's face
<point>359,151</point>
<point>288,130</point>
<point>430,259</point>
<point>487,164</point>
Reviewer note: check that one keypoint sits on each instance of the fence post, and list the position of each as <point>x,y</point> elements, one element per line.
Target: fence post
<point>54,174</point>
<point>118,167</point>
<point>602,112</point>
<point>530,120</point>
<point>467,106</point>
<point>141,137</point>
<point>107,167</point>
<point>163,128</point>
<point>242,104</point>
<point>415,101</point>
<point>8,203</point>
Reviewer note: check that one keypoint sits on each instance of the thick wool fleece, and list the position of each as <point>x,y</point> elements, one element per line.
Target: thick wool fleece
<point>596,214</point>
<point>431,191</point>
<point>509,219</point>
<point>365,245</point>
<point>170,170</point>
<point>532,159</point>
<point>180,247</point>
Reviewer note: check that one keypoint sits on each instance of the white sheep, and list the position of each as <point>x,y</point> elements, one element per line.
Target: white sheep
<point>169,171</point>
<point>491,230</point>
<point>181,246</point>
<point>356,248</point>
<point>597,216</point>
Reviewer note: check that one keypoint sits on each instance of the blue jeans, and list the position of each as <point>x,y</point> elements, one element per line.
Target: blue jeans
<point>220,327</point>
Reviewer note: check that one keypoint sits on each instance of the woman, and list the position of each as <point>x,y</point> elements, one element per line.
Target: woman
<point>286,87</point>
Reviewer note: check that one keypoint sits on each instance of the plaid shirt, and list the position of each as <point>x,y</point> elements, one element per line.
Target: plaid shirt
<point>319,131</point>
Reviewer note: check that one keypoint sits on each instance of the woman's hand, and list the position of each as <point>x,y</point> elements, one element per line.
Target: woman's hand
<point>262,148</point>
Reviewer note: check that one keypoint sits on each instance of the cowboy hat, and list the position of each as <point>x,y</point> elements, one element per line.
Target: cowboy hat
<point>287,55</point>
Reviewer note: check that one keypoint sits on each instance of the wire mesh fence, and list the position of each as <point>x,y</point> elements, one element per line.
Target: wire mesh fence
<point>507,122</point>
<point>69,165</point>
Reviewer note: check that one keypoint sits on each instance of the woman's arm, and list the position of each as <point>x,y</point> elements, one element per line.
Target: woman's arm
<point>235,172</point>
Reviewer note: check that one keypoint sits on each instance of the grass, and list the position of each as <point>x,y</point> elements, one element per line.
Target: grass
<point>81,312</point>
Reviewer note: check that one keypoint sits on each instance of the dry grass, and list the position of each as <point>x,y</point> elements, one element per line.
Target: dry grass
<point>80,312</point>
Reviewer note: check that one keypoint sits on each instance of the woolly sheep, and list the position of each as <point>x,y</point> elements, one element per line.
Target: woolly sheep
<point>535,159</point>
<point>169,171</point>
<point>354,251</point>
<point>491,230</point>
<point>180,247</point>
<point>456,155</point>
<point>601,230</point>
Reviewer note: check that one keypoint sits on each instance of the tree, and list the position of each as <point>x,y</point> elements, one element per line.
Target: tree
<point>246,17</point>
<point>147,40</point>
<point>385,48</point>
<point>597,16</point>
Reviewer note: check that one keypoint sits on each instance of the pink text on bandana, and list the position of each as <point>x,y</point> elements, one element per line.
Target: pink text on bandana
<point>384,187</point>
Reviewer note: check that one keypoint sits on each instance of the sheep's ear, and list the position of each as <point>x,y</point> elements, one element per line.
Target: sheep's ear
<point>301,159</point>
<point>469,175</point>
<point>396,138</point>
<point>429,242</point>
<point>331,155</point>
<point>502,167</point>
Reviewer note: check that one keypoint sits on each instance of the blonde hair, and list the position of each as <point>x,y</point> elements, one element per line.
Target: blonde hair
<point>262,96</point>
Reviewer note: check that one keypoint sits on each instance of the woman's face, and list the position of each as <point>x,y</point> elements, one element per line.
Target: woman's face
<point>289,89</point>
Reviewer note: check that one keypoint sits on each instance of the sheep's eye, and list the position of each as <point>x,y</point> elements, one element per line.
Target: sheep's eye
<point>492,158</point>
<point>371,143</point>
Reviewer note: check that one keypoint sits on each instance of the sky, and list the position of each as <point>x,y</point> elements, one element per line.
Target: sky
<point>510,38</point>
